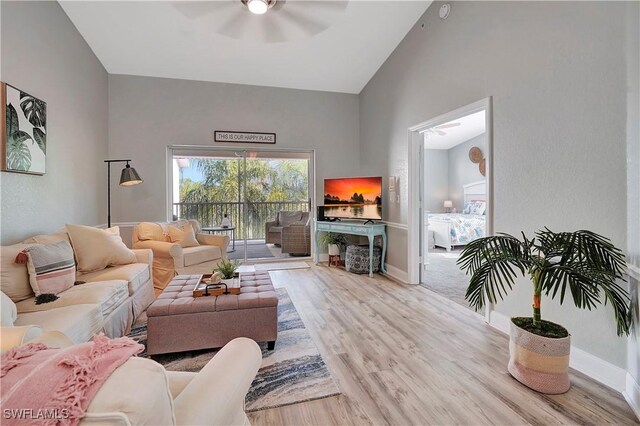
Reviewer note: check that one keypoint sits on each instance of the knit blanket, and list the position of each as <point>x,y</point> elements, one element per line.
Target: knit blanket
<point>48,386</point>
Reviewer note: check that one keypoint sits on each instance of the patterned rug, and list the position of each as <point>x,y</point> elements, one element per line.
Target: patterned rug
<point>294,372</point>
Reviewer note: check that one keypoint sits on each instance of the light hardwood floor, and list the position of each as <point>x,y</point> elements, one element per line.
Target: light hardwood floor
<point>402,355</point>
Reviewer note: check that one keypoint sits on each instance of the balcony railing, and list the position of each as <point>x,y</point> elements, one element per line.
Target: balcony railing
<point>211,214</point>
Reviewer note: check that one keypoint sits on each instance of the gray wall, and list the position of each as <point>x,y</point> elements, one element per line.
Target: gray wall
<point>43,54</point>
<point>557,75</point>
<point>146,114</point>
<point>462,171</point>
<point>633,176</point>
<point>436,179</point>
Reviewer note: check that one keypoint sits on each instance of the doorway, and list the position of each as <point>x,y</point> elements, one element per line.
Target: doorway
<point>240,192</point>
<point>450,180</point>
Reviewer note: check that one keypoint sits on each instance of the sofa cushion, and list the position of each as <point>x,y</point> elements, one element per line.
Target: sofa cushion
<point>150,231</point>
<point>78,322</point>
<point>8,311</point>
<point>48,238</point>
<point>14,277</point>
<point>52,268</point>
<point>289,218</point>
<point>97,248</point>
<point>200,254</point>
<point>136,274</point>
<point>138,390</point>
<point>184,236</point>
<point>107,295</point>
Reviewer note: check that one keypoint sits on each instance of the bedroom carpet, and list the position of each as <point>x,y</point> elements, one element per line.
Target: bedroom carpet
<point>294,372</point>
<point>445,278</point>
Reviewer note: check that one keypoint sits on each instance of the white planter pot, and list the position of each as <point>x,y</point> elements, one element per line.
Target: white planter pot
<point>334,250</point>
<point>540,363</point>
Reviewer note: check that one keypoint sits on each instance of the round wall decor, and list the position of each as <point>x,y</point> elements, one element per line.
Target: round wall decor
<point>475,155</point>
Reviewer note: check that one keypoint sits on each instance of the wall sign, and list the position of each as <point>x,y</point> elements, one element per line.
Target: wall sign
<point>244,137</point>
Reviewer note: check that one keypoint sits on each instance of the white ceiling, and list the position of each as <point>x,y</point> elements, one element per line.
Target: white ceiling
<point>470,126</point>
<point>316,45</point>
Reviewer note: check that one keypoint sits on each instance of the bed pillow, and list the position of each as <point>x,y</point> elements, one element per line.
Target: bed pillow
<point>52,268</point>
<point>97,248</point>
<point>478,207</point>
<point>467,208</point>
<point>186,237</point>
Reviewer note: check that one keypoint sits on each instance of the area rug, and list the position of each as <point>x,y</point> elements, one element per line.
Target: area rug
<point>294,372</point>
<point>254,251</point>
<point>277,266</point>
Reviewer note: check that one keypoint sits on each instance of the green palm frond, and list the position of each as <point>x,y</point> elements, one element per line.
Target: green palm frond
<point>491,262</point>
<point>583,263</point>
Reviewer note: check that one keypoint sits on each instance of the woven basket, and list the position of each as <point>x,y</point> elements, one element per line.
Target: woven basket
<point>540,363</point>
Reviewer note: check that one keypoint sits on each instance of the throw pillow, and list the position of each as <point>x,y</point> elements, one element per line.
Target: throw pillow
<point>14,277</point>
<point>51,267</point>
<point>186,237</point>
<point>97,248</point>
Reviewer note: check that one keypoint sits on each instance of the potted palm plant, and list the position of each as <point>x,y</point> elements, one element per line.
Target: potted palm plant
<point>585,264</point>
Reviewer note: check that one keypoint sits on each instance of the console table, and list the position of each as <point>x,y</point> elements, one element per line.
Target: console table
<point>370,231</point>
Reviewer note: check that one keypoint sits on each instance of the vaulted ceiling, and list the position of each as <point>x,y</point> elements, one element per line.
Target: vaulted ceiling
<point>316,45</point>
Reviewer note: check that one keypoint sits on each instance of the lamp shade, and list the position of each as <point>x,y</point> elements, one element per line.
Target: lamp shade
<point>129,176</point>
<point>448,204</point>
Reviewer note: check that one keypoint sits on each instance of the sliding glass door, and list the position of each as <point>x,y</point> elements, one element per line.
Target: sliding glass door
<point>247,188</point>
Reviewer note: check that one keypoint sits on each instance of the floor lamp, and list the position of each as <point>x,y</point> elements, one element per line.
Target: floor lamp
<point>128,177</point>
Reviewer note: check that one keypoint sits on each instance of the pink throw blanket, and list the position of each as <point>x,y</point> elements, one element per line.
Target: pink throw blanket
<point>55,386</point>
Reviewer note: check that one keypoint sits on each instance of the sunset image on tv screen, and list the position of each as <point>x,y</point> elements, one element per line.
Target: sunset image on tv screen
<point>359,197</point>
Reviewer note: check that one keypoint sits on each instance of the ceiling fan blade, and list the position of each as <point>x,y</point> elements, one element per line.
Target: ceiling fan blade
<point>272,32</point>
<point>234,26</point>
<point>198,9</point>
<point>447,125</point>
<point>308,25</point>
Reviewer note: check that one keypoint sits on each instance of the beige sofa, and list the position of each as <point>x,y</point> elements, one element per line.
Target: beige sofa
<point>142,392</point>
<point>170,258</point>
<point>109,301</point>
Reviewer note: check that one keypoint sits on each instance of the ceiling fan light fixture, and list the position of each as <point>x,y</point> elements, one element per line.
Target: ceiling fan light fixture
<point>258,7</point>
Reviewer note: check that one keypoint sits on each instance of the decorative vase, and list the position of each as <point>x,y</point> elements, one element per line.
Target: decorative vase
<point>538,362</point>
<point>334,250</point>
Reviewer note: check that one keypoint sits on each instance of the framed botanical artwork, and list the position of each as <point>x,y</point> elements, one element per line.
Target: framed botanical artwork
<point>24,131</point>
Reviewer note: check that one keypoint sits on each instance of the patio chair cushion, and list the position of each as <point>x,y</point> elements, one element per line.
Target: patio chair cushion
<point>201,254</point>
<point>289,218</point>
<point>275,229</point>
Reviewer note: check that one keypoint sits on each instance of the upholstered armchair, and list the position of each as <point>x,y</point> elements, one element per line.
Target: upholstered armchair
<point>171,257</point>
<point>291,231</point>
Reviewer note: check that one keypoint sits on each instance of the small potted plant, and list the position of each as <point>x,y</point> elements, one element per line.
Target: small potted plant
<point>583,263</point>
<point>333,242</point>
<point>227,268</point>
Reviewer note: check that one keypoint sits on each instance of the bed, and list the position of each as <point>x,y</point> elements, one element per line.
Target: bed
<point>457,229</point>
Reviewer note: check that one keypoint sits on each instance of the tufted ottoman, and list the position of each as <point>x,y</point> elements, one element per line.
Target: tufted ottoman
<point>177,321</point>
<point>357,259</point>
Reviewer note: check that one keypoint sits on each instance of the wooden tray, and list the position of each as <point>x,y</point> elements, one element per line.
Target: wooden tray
<point>232,286</point>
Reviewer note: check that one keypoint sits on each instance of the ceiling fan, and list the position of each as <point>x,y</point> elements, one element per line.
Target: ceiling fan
<point>437,130</point>
<point>267,21</point>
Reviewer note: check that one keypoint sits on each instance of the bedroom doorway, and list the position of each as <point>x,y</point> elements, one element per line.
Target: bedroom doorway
<point>454,206</point>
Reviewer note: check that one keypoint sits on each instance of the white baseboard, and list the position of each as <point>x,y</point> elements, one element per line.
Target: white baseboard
<point>598,369</point>
<point>396,274</point>
<point>632,394</point>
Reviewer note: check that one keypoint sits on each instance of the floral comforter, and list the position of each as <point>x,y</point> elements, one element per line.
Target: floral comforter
<point>464,227</point>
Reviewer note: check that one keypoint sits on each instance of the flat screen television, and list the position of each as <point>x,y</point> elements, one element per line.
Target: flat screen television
<point>353,198</point>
